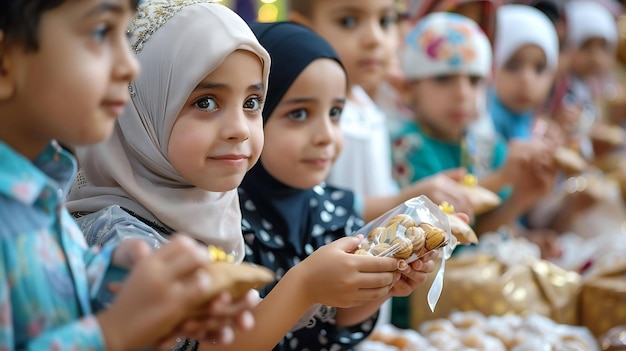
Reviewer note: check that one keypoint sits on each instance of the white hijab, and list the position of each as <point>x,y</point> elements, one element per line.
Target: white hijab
<point>177,44</point>
<point>520,25</point>
<point>588,19</point>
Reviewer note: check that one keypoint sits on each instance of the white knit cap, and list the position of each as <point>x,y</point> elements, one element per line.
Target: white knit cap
<point>588,19</point>
<point>519,25</point>
<point>445,43</point>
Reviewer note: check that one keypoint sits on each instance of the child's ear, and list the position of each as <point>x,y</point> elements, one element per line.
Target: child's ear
<point>299,18</point>
<point>7,84</point>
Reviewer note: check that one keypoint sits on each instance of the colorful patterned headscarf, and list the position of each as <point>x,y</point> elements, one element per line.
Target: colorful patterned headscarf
<point>420,8</point>
<point>443,44</point>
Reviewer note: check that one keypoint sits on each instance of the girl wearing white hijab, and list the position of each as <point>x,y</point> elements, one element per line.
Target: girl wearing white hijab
<point>592,36</point>
<point>182,147</point>
<point>192,130</point>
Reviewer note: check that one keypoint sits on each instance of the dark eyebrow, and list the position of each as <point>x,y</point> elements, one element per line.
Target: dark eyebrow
<point>209,85</point>
<point>258,87</point>
<point>104,7</point>
<point>295,101</point>
<point>349,9</point>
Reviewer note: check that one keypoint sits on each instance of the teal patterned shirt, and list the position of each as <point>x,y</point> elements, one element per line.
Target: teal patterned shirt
<point>48,275</point>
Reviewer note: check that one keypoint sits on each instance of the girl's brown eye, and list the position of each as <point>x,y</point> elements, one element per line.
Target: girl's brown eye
<point>252,104</point>
<point>206,103</point>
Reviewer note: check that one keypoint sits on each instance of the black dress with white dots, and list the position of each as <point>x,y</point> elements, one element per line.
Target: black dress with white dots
<point>282,226</point>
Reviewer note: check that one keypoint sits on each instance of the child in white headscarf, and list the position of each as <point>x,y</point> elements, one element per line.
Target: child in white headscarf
<point>177,155</point>
<point>525,65</point>
<point>592,36</point>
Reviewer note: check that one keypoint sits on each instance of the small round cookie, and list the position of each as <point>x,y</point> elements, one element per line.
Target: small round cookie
<point>365,245</point>
<point>361,252</point>
<point>375,234</point>
<point>380,249</point>
<point>402,248</point>
<point>434,236</point>
<point>417,237</point>
<point>402,219</point>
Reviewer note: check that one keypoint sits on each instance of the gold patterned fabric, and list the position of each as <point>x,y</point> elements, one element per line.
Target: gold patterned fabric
<point>603,303</point>
<point>151,16</point>
<point>482,283</point>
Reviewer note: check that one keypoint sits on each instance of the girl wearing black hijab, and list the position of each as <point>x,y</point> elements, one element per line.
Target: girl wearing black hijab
<point>289,212</point>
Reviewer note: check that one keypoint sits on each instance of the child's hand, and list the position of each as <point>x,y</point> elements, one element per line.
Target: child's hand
<point>445,186</point>
<point>548,242</point>
<point>333,276</point>
<point>214,322</point>
<point>536,179</point>
<point>162,290</point>
<point>519,157</point>
<point>414,275</point>
<point>568,118</point>
<point>129,252</point>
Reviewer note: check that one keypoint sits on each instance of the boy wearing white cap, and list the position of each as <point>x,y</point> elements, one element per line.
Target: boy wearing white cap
<point>446,59</point>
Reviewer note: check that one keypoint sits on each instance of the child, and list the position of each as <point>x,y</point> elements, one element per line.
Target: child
<point>592,35</point>
<point>288,209</point>
<point>446,59</point>
<point>364,34</point>
<point>76,50</point>
<point>555,107</point>
<point>158,185</point>
<point>525,64</point>
<point>184,145</point>
<point>443,92</point>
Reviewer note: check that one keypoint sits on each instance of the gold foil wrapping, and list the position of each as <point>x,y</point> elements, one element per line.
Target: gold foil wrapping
<point>484,284</point>
<point>603,303</point>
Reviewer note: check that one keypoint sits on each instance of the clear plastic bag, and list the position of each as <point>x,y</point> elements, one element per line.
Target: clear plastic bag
<point>410,231</point>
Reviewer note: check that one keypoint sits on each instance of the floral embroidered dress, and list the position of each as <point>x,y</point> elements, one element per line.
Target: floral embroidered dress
<point>49,276</point>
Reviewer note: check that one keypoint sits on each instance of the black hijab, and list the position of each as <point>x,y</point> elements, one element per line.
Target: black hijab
<point>268,205</point>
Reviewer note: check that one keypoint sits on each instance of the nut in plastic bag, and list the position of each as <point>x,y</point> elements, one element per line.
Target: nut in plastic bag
<point>410,231</point>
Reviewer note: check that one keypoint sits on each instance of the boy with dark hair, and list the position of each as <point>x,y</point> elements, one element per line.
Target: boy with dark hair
<point>51,52</point>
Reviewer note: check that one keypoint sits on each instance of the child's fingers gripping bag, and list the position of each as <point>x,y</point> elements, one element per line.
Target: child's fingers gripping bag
<point>410,231</point>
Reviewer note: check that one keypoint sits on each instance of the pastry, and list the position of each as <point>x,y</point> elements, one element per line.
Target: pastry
<point>402,238</point>
<point>402,219</point>
<point>570,161</point>
<point>482,199</point>
<point>381,249</point>
<point>402,248</point>
<point>361,252</point>
<point>374,235</point>
<point>417,237</point>
<point>464,234</point>
<point>435,237</point>
<point>608,133</point>
<point>237,279</point>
